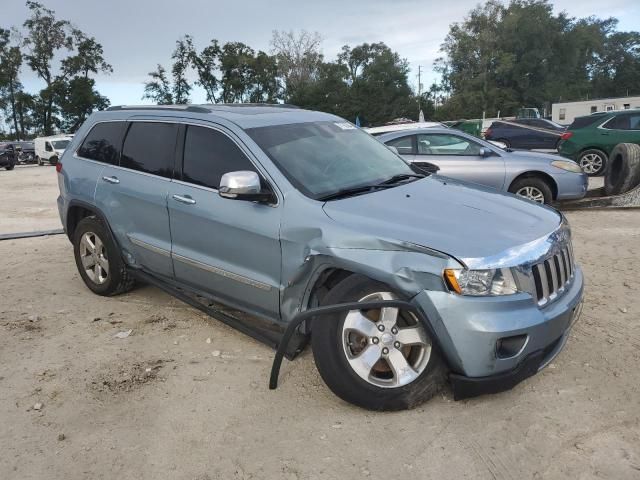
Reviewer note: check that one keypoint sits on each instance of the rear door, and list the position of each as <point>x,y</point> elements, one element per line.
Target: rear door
<point>228,248</point>
<point>133,194</point>
<point>459,157</point>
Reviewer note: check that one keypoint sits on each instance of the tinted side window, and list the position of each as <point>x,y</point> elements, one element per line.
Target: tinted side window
<point>150,147</point>
<point>620,122</point>
<point>103,143</point>
<point>209,154</point>
<point>403,144</point>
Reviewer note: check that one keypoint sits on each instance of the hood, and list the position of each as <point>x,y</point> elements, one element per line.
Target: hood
<point>462,220</point>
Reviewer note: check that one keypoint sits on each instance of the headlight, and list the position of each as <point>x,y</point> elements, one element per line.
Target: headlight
<point>477,283</point>
<point>567,165</point>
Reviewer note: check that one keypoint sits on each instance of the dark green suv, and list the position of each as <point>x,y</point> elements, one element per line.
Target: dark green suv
<point>589,140</point>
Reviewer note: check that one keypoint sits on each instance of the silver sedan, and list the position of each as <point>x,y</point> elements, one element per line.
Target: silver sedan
<point>540,177</point>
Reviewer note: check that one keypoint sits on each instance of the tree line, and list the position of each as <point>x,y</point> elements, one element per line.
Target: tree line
<point>501,57</point>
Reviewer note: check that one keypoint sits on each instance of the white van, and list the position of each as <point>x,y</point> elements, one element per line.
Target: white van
<point>50,149</point>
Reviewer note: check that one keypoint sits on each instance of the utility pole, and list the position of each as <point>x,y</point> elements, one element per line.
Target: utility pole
<point>419,87</point>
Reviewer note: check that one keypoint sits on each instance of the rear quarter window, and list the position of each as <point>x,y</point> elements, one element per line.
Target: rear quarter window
<point>103,143</point>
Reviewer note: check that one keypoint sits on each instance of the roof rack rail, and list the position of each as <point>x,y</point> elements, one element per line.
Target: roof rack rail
<point>186,108</point>
<point>275,105</point>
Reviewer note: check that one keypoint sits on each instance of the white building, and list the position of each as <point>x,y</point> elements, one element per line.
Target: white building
<point>565,113</point>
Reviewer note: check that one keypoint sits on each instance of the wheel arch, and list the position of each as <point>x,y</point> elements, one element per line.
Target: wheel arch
<point>537,174</point>
<point>79,210</point>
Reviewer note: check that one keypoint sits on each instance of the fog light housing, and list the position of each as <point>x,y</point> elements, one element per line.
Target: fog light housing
<point>509,347</point>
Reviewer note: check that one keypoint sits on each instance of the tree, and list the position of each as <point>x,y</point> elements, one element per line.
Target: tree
<point>263,79</point>
<point>46,38</point>
<point>206,63</point>
<point>159,88</point>
<point>77,99</point>
<point>503,57</point>
<point>298,57</point>
<point>10,86</point>
<point>182,56</point>
<point>235,65</point>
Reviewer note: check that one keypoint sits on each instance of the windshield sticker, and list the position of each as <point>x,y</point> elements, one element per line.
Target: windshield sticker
<point>345,126</point>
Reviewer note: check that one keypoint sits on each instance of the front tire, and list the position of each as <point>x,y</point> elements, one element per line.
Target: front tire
<point>533,188</point>
<point>593,162</point>
<point>98,259</point>
<point>376,359</point>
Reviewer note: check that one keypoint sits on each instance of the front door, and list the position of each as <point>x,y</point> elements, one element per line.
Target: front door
<point>229,248</point>
<point>460,157</point>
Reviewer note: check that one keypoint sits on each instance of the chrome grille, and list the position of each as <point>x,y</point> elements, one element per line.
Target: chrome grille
<point>552,275</point>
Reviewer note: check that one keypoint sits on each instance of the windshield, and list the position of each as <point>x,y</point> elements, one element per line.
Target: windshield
<point>60,144</point>
<point>322,158</point>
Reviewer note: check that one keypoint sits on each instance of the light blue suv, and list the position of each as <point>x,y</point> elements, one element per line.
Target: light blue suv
<point>276,219</point>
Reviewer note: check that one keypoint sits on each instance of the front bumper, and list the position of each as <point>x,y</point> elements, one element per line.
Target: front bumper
<point>468,329</point>
<point>571,186</point>
<point>466,387</point>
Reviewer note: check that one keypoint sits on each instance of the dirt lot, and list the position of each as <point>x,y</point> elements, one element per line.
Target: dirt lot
<point>186,397</point>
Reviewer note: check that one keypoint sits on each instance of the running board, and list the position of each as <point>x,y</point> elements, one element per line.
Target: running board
<point>220,312</point>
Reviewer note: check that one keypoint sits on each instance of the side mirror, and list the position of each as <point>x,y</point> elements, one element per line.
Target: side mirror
<point>484,152</point>
<point>243,185</point>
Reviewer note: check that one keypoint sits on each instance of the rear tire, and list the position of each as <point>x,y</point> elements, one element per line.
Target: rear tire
<point>535,189</point>
<point>623,172</point>
<point>98,259</point>
<point>593,162</point>
<point>406,376</point>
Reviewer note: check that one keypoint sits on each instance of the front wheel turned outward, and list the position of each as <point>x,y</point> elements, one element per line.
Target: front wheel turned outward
<point>98,259</point>
<point>380,359</point>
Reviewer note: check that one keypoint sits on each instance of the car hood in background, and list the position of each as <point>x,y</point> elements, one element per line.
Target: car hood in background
<point>462,220</point>
<point>529,155</point>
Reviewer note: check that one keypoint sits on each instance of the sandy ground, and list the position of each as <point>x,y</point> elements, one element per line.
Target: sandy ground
<point>185,397</point>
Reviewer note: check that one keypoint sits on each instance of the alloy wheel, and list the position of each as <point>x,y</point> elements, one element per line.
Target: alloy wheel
<point>532,193</point>
<point>93,255</point>
<point>591,163</point>
<point>386,347</point>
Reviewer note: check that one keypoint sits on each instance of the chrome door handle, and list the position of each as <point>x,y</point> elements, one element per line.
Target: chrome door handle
<point>113,180</point>
<point>181,199</point>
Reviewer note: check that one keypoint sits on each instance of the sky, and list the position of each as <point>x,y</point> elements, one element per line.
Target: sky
<point>139,34</point>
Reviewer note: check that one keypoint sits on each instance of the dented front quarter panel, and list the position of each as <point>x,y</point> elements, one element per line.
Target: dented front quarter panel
<point>311,243</point>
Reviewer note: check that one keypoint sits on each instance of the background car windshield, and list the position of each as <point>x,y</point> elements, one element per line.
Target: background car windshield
<point>322,158</point>
<point>60,144</point>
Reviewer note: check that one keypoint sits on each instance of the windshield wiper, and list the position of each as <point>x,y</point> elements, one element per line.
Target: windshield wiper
<point>401,177</point>
<point>352,191</point>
